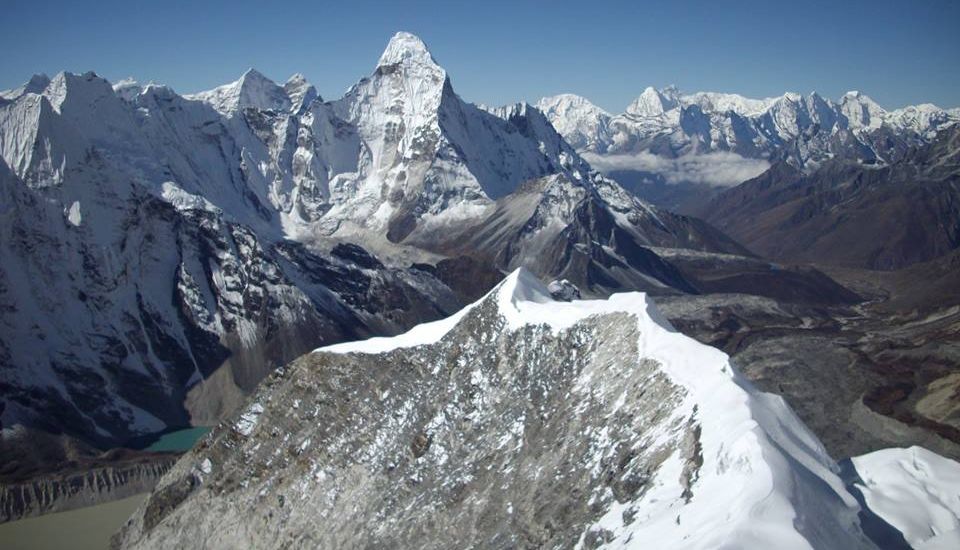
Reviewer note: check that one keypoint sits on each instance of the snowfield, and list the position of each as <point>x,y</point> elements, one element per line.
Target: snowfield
<point>765,478</point>
<point>916,491</point>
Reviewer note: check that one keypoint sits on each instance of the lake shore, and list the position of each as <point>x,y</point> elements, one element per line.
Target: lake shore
<point>88,528</point>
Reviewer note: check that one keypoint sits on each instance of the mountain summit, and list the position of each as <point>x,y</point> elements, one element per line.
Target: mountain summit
<point>196,242</point>
<point>526,422</point>
<point>406,48</point>
<point>252,89</point>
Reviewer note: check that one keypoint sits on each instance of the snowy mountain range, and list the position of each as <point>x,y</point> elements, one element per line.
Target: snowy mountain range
<point>526,422</point>
<point>804,130</point>
<point>844,213</point>
<point>159,253</point>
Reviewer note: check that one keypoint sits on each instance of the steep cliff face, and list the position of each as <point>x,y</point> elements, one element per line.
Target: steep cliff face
<point>519,421</point>
<point>162,253</point>
<point>140,301</point>
<point>42,473</point>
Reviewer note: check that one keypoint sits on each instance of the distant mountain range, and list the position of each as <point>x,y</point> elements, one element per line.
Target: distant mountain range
<point>801,130</point>
<point>678,151</point>
<point>845,213</point>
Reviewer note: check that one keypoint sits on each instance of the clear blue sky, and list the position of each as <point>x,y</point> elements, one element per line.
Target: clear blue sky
<point>897,51</point>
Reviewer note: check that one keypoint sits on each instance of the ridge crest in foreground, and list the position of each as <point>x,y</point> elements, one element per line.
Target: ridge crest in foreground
<point>517,422</point>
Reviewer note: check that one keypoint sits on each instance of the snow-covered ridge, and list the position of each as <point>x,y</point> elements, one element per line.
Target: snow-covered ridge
<point>805,130</point>
<point>757,477</point>
<point>252,89</point>
<point>916,491</point>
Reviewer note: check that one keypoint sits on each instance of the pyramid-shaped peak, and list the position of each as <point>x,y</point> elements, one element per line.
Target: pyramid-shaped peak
<point>300,92</point>
<point>860,97</point>
<point>252,89</point>
<point>567,105</point>
<point>856,97</point>
<point>252,75</point>
<point>404,48</point>
<point>652,102</point>
<point>37,83</point>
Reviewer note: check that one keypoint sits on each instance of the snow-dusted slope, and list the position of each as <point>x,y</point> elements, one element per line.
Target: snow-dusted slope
<point>518,422</point>
<point>915,491</point>
<point>428,158</point>
<point>144,281</point>
<point>252,90</point>
<point>805,130</point>
<point>581,123</point>
<point>149,238</point>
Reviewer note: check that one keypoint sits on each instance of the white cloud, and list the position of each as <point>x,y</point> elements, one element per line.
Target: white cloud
<point>722,169</point>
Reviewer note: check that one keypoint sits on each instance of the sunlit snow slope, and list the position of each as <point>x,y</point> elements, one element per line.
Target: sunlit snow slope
<point>518,422</point>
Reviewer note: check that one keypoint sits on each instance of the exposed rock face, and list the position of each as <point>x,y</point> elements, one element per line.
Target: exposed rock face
<point>564,290</point>
<point>600,237</point>
<point>165,252</point>
<point>849,215</point>
<point>156,306</point>
<point>42,473</point>
<point>147,301</point>
<point>519,422</point>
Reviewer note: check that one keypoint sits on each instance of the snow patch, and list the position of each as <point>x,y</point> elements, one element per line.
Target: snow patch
<point>248,420</point>
<point>915,491</point>
<point>73,214</point>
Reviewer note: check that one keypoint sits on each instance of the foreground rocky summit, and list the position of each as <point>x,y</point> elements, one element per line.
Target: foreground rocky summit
<point>518,422</point>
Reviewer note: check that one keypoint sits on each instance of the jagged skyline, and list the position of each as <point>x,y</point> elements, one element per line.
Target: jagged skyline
<point>897,54</point>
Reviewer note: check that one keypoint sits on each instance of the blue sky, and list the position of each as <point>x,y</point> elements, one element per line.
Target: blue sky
<point>899,52</point>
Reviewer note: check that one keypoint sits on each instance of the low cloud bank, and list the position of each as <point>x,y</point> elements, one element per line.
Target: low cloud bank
<point>721,169</point>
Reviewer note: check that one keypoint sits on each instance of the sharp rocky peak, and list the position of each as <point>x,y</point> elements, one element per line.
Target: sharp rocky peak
<point>252,89</point>
<point>653,102</point>
<point>300,92</point>
<point>35,85</point>
<point>407,49</point>
<point>83,88</point>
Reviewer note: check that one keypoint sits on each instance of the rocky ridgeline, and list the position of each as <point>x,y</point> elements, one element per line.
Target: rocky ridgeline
<point>59,493</point>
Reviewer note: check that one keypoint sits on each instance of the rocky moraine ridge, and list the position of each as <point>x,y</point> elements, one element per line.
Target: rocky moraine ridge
<point>61,492</point>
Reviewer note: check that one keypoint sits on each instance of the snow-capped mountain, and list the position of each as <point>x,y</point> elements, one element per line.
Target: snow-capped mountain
<point>584,125</point>
<point>804,130</point>
<point>843,213</point>
<point>160,253</point>
<point>527,422</point>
